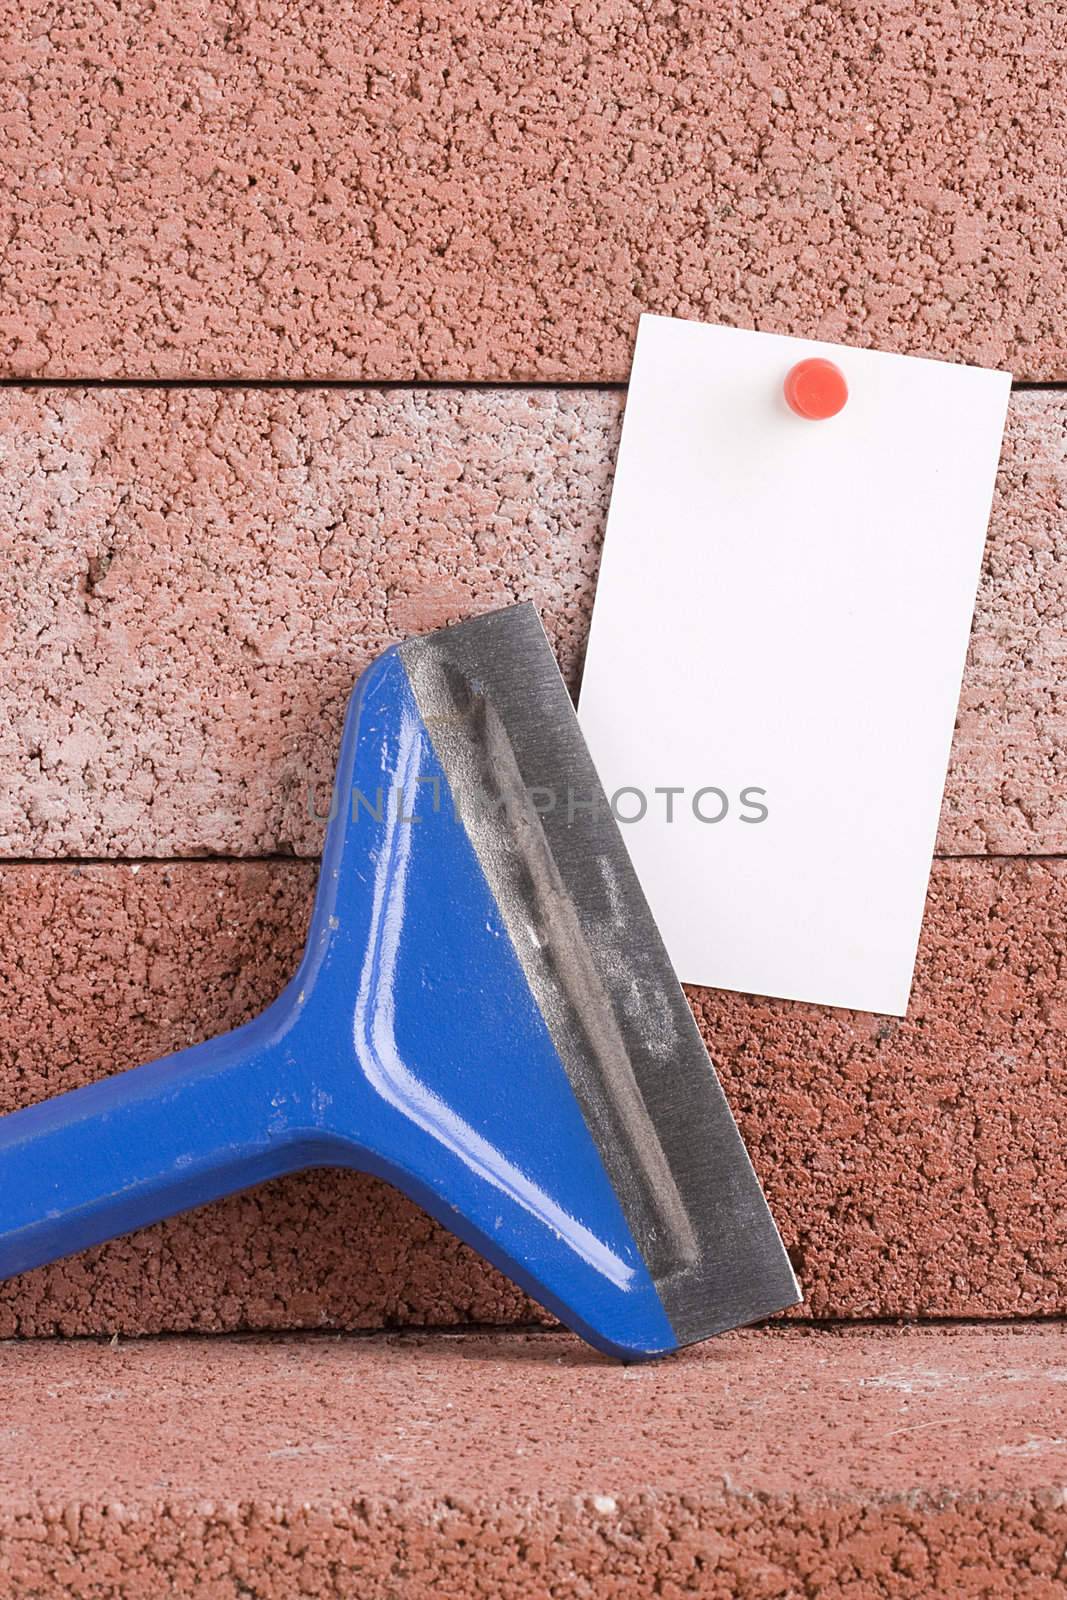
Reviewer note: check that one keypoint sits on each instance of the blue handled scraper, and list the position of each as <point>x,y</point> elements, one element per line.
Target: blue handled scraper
<point>484,1015</point>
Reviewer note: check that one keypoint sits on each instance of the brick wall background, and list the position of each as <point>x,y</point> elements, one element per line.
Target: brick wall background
<point>314,328</point>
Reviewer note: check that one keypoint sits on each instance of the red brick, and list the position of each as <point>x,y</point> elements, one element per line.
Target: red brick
<point>916,1167</point>
<point>898,1464</point>
<point>477,191</point>
<point>190,582</point>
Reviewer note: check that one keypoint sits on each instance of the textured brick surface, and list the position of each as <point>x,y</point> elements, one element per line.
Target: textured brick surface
<point>190,581</point>
<point>915,1167</point>
<point>765,1466</point>
<point>1007,783</point>
<point>479,190</point>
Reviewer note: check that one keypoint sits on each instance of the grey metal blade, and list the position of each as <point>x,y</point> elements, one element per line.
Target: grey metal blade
<point>507,737</point>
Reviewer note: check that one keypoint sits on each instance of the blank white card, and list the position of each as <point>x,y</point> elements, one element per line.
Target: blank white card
<point>777,644</point>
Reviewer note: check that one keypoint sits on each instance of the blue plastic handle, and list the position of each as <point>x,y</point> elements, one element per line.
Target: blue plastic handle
<point>139,1146</point>
<point>408,1045</point>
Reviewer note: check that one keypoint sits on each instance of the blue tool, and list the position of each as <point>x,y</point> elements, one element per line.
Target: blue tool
<point>484,1016</point>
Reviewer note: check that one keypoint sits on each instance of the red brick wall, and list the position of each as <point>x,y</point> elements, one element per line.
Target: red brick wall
<point>192,575</point>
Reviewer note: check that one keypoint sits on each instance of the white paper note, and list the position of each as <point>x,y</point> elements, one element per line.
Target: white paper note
<point>780,627</point>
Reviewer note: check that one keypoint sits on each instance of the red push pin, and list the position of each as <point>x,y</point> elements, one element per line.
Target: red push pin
<point>816,389</point>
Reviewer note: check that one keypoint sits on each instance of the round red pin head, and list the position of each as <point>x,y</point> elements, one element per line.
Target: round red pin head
<point>816,389</point>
